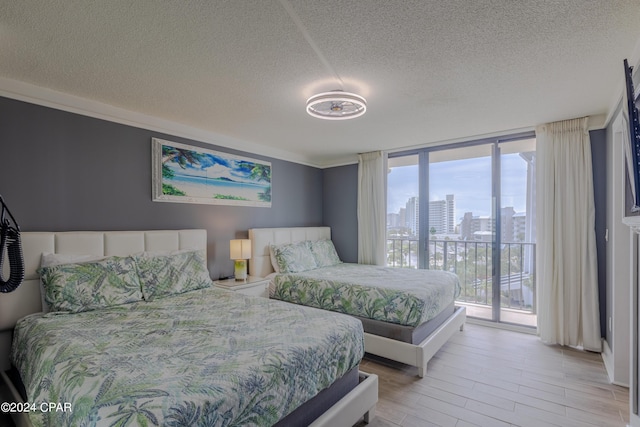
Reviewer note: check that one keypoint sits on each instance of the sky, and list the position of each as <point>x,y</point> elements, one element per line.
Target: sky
<point>469,180</point>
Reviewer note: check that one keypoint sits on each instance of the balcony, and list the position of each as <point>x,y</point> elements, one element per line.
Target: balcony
<point>472,262</point>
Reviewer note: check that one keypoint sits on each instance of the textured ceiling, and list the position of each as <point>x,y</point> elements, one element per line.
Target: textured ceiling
<point>431,70</point>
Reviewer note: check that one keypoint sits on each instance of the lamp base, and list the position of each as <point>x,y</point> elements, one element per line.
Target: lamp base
<point>241,269</point>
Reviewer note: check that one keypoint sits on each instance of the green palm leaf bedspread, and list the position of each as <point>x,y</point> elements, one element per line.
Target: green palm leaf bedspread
<point>395,295</point>
<point>207,357</point>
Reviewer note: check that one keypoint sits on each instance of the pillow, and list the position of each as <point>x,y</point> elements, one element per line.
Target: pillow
<point>48,259</point>
<point>274,261</point>
<point>91,285</point>
<point>324,253</point>
<point>294,257</point>
<point>173,273</point>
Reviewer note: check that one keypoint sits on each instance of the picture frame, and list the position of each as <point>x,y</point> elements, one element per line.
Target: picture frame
<point>187,174</point>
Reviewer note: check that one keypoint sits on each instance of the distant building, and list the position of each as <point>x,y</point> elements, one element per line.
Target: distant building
<point>438,216</point>
<point>451,214</point>
<point>506,224</point>
<point>397,220</point>
<point>393,220</point>
<point>512,226</point>
<point>475,227</point>
<point>442,215</point>
<point>520,227</point>
<point>412,215</point>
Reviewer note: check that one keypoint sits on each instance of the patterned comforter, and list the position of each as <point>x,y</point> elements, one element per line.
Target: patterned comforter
<point>203,358</point>
<point>395,295</point>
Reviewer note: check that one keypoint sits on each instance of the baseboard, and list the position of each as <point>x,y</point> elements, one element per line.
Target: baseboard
<point>607,358</point>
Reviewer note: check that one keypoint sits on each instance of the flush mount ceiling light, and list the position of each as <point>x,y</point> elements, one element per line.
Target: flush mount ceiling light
<point>336,105</point>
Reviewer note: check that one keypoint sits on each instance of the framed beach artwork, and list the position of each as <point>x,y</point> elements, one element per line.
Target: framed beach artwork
<point>187,174</point>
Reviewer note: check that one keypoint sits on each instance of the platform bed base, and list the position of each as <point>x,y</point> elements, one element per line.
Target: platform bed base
<point>412,354</point>
<point>351,408</point>
<point>359,402</point>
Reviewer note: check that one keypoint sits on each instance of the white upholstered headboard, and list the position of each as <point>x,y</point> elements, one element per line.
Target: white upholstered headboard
<point>27,299</point>
<point>261,238</point>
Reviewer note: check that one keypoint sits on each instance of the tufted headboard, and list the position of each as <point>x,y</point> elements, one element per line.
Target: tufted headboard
<point>261,238</point>
<point>27,298</point>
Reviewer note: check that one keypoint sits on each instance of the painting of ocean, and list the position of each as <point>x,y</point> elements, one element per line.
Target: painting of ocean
<point>187,174</point>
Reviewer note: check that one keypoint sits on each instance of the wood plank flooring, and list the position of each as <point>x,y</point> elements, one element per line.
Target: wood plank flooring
<point>497,378</point>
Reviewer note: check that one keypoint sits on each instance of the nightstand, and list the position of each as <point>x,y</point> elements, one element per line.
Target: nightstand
<point>254,285</point>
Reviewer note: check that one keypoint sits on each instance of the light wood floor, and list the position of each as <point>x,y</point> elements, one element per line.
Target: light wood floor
<point>491,377</point>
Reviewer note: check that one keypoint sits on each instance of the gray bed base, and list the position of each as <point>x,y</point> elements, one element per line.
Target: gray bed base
<point>408,334</point>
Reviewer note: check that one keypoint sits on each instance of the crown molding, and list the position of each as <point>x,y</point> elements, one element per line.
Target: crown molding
<point>38,95</point>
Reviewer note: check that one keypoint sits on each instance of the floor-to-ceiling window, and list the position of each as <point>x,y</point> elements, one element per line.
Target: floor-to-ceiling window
<point>469,208</point>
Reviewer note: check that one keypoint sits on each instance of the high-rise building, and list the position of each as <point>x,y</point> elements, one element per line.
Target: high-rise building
<point>412,215</point>
<point>442,215</point>
<point>438,216</point>
<point>393,220</point>
<point>507,224</point>
<point>520,227</point>
<point>451,214</point>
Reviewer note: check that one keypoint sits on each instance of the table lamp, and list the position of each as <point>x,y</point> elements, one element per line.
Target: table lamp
<point>240,251</point>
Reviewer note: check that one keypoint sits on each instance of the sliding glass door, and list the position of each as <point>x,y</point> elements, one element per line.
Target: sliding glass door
<point>469,209</point>
<point>460,221</point>
<point>517,232</point>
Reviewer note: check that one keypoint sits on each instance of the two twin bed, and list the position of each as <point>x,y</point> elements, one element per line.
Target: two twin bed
<point>176,353</point>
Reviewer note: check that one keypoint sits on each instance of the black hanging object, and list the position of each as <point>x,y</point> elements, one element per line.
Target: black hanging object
<point>10,240</point>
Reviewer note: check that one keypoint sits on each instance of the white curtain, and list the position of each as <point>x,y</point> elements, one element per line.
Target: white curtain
<point>568,308</point>
<point>372,208</point>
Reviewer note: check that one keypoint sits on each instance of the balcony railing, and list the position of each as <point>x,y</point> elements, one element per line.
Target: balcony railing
<point>472,262</point>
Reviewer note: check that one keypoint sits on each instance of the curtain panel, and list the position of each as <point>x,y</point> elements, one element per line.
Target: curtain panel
<point>568,307</point>
<point>372,208</point>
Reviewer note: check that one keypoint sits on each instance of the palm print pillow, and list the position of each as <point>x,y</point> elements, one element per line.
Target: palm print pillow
<point>169,274</point>
<point>91,285</point>
<point>294,257</point>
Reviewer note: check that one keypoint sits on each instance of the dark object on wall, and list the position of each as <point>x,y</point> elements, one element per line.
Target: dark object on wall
<point>10,239</point>
<point>632,150</point>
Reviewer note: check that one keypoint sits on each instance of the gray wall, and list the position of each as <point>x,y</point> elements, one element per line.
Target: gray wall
<point>599,160</point>
<point>340,209</point>
<point>61,171</point>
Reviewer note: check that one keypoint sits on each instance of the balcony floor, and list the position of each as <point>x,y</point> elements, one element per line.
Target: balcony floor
<point>507,315</point>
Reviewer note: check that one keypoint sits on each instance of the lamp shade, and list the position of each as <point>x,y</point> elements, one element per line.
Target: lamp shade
<point>240,249</point>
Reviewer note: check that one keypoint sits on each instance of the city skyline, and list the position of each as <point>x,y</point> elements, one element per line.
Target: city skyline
<point>469,180</point>
<point>469,227</point>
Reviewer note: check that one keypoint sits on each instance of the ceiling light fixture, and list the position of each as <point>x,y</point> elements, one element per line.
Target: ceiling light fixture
<point>336,105</point>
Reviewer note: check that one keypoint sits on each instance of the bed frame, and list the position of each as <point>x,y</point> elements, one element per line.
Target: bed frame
<point>417,355</point>
<point>28,299</point>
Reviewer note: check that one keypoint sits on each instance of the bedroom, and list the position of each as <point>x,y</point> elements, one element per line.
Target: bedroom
<point>73,160</point>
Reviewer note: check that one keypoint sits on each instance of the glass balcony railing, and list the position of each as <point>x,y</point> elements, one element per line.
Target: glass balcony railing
<point>472,262</point>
